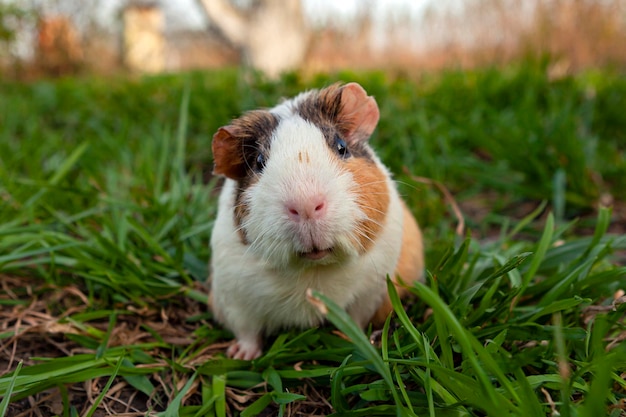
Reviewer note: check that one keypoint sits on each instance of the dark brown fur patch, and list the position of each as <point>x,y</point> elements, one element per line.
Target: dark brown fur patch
<point>323,108</point>
<point>241,211</point>
<point>236,146</point>
<point>250,135</point>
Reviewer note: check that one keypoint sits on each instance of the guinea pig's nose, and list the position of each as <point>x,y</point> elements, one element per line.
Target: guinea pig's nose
<point>307,209</point>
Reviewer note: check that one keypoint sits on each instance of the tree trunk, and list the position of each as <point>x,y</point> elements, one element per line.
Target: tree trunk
<point>272,34</point>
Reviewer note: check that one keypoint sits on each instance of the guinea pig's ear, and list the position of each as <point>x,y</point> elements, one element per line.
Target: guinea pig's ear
<point>227,153</point>
<point>359,112</point>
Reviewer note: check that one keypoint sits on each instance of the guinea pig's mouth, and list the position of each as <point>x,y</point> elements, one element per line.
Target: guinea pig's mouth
<point>316,254</point>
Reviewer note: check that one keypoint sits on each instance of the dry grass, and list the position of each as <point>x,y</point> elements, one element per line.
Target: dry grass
<point>41,324</point>
<point>40,331</point>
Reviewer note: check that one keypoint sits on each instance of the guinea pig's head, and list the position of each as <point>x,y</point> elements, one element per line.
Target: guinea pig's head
<point>310,189</point>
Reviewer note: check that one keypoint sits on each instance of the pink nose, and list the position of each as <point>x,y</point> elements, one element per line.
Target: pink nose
<point>309,209</point>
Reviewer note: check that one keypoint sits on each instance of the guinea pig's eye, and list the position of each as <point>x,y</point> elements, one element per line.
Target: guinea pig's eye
<point>341,147</point>
<point>260,162</point>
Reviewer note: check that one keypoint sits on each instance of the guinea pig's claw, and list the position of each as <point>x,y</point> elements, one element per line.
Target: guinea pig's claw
<point>246,351</point>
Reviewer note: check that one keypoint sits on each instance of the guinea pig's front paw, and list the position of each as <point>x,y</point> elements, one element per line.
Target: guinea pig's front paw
<point>245,349</point>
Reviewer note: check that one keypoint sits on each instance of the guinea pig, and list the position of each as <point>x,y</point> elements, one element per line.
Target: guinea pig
<point>306,204</point>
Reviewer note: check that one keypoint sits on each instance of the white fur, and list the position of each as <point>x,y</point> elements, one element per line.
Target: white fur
<point>300,166</point>
<point>261,287</point>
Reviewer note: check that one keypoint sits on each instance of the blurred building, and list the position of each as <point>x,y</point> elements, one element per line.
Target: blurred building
<point>144,44</point>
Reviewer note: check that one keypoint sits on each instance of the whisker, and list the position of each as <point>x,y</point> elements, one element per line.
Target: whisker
<point>374,210</point>
<point>381,212</point>
<point>363,233</point>
<point>378,241</point>
<point>371,193</point>
<point>409,185</point>
<point>366,184</point>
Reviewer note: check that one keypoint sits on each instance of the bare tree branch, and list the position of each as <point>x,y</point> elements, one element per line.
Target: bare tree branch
<point>272,35</point>
<point>228,19</point>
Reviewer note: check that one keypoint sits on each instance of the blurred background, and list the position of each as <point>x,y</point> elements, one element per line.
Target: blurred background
<point>67,37</point>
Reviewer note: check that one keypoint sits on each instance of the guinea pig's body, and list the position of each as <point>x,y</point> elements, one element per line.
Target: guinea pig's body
<point>306,205</point>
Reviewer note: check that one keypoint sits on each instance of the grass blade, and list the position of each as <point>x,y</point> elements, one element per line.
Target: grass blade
<point>343,322</point>
<point>4,404</point>
<point>173,409</point>
<point>105,389</point>
<point>472,350</point>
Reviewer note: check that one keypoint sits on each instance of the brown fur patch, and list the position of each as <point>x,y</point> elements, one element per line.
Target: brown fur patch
<point>227,158</point>
<point>236,146</point>
<point>241,209</point>
<point>410,267</point>
<point>324,108</point>
<point>373,200</point>
<point>240,213</point>
<point>235,149</point>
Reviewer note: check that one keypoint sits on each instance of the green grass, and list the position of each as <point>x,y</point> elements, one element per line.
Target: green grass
<point>106,208</point>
